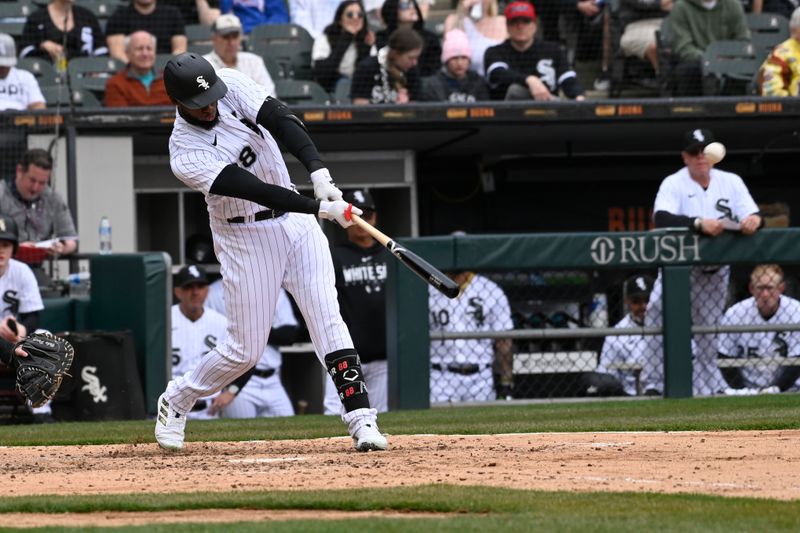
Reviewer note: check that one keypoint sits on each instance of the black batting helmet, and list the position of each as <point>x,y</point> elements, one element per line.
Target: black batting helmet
<point>192,81</point>
<point>9,231</point>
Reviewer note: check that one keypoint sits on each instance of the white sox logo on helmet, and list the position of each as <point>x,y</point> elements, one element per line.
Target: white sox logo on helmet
<point>202,83</point>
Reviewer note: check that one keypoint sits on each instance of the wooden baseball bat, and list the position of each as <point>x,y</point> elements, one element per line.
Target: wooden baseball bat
<point>429,273</point>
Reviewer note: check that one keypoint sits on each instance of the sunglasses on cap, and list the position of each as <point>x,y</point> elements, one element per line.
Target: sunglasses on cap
<point>354,14</point>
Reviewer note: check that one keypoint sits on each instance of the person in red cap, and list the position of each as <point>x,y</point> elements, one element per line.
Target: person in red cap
<point>521,68</point>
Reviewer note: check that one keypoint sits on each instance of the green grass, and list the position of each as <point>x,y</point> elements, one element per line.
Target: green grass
<point>475,509</point>
<point>731,413</point>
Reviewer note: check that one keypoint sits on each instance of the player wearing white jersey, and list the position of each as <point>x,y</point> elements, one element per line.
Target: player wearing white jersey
<point>196,330</point>
<point>462,369</point>
<point>263,395</point>
<point>19,291</point>
<point>768,305</point>
<point>628,349</point>
<point>708,201</point>
<point>224,144</point>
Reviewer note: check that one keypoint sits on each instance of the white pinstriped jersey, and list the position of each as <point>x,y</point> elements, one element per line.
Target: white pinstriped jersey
<point>624,349</point>
<point>192,340</point>
<point>197,155</point>
<point>761,343</point>
<point>727,196</point>
<point>284,316</point>
<point>18,290</point>
<point>482,306</point>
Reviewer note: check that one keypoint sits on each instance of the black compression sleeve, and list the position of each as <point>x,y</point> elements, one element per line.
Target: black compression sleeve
<point>283,335</point>
<point>289,130</point>
<point>663,219</point>
<point>242,380</point>
<point>6,352</point>
<point>239,183</point>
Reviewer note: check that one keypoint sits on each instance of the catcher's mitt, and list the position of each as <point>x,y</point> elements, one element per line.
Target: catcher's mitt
<point>39,375</point>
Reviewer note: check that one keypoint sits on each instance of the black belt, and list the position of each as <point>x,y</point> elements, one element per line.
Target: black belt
<point>268,373</point>
<point>261,215</point>
<point>463,369</point>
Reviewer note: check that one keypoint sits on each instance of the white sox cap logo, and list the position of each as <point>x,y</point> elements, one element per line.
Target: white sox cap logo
<point>697,134</point>
<point>201,82</point>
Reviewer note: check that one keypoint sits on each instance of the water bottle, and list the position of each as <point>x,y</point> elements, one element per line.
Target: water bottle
<point>105,236</point>
<point>598,314</point>
<point>78,283</point>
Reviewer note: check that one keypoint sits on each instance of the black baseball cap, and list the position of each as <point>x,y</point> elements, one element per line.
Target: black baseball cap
<point>361,198</point>
<point>697,139</point>
<point>639,285</point>
<point>191,274</point>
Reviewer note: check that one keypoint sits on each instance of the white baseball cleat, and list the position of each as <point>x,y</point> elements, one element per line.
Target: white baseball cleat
<point>170,425</point>
<point>363,427</point>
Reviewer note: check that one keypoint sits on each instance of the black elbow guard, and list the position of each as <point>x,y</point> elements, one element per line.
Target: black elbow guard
<point>272,112</point>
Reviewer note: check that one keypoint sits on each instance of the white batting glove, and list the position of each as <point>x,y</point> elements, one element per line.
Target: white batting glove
<point>324,189</point>
<point>338,211</point>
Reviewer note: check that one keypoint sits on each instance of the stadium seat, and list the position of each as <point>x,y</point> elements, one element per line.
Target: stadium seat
<point>91,73</point>
<point>101,9</point>
<point>274,69</point>
<point>200,48</point>
<point>766,31</point>
<point>162,60</point>
<point>341,94</point>
<point>41,68</point>
<point>59,95</point>
<point>14,29</point>
<point>728,67</point>
<point>198,34</point>
<point>288,44</point>
<point>298,92</point>
<point>15,11</point>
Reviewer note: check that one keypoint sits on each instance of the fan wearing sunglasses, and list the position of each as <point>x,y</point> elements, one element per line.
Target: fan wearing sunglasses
<point>707,201</point>
<point>346,41</point>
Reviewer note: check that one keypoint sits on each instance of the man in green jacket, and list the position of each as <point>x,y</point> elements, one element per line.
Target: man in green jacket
<point>695,24</point>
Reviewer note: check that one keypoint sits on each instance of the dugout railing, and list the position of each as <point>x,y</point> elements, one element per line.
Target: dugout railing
<point>409,332</point>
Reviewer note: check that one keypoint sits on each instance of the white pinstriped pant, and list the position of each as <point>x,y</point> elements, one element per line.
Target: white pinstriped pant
<point>256,259</point>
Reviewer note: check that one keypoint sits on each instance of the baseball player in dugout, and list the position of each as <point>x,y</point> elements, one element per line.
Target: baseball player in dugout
<point>707,201</point>
<point>40,213</point>
<point>463,370</point>
<point>767,305</point>
<point>361,267</point>
<point>224,143</point>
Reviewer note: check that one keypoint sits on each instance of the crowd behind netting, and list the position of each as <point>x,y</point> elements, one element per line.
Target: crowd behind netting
<point>90,53</point>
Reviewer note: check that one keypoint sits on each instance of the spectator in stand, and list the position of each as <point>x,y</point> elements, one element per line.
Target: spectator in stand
<point>455,82</point>
<point>253,13</point>
<point>768,305</point>
<point>780,73</point>
<point>523,68</point>
<point>314,15</point>
<point>373,8</point>
<point>640,20</point>
<point>392,76</point>
<point>39,212</point>
<point>361,265</point>
<point>163,21</point>
<point>406,14</point>
<point>344,43</point>
<point>780,7</point>
<point>696,24</point>
<point>61,30</point>
<point>226,34</point>
<point>138,84</point>
<point>203,12</point>
<point>483,24</point>
<point>19,89</point>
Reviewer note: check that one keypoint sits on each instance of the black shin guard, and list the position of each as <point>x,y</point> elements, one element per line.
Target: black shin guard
<point>344,367</point>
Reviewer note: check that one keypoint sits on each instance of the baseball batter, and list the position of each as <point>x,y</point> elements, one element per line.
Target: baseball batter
<point>768,305</point>
<point>263,395</point>
<point>707,201</point>
<point>196,330</point>
<point>225,144</point>
<point>462,369</point>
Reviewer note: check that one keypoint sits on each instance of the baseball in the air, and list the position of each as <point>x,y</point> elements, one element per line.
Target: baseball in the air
<point>715,152</point>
